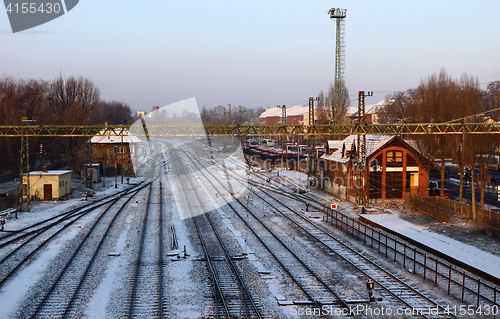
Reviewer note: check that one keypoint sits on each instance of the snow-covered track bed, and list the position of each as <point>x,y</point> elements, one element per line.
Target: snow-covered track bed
<point>387,284</point>
<point>471,286</point>
<point>146,285</point>
<point>62,292</point>
<point>233,298</point>
<point>310,279</point>
<point>20,247</point>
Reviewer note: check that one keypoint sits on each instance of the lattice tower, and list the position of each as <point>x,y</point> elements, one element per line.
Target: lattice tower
<point>339,15</point>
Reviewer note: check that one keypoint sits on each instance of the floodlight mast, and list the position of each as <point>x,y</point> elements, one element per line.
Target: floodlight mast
<point>339,15</point>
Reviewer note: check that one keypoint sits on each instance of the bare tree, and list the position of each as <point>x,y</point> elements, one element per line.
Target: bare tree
<point>113,113</point>
<point>394,110</point>
<point>441,99</point>
<point>72,99</point>
<point>338,110</point>
<point>491,99</point>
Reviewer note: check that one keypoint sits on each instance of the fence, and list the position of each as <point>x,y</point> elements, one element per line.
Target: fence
<point>442,209</point>
<point>419,261</point>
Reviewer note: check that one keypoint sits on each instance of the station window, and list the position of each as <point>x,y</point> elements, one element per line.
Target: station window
<point>394,157</point>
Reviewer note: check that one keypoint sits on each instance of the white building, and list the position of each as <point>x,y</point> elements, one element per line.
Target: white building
<point>47,185</point>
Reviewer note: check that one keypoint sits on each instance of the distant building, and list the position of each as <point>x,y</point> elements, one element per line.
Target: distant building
<point>297,115</point>
<point>48,185</point>
<point>489,120</point>
<point>109,149</point>
<point>141,114</point>
<point>372,112</point>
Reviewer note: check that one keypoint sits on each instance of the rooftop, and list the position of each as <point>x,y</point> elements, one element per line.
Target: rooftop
<point>52,172</point>
<point>290,111</point>
<point>373,144</point>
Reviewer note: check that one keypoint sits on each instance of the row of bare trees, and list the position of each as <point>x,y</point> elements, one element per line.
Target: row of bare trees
<point>62,101</point>
<point>439,99</point>
<point>221,115</point>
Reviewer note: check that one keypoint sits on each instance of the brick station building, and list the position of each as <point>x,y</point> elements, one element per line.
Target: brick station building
<point>394,167</point>
<point>110,148</point>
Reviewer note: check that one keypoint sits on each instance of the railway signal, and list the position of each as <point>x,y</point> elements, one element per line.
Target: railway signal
<point>370,285</point>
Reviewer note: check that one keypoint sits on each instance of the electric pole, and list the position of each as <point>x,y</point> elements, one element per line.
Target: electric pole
<point>283,122</point>
<point>311,145</point>
<point>24,180</point>
<point>361,169</point>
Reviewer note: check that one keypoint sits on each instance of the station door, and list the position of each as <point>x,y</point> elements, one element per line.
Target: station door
<point>47,191</point>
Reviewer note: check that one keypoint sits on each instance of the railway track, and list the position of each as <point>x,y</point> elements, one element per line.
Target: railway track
<point>470,288</point>
<point>147,298</point>
<point>62,294</point>
<point>232,297</point>
<point>314,287</point>
<point>21,246</point>
<point>459,281</point>
<point>388,285</point>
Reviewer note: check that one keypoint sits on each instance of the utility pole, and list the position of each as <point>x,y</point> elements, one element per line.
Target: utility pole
<point>311,145</point>
<point>283,138</point>
<point>24,180</point>
<point>122,151</point>
<point>361,169</point>
<point>89,172</point>
<point>241,114</point>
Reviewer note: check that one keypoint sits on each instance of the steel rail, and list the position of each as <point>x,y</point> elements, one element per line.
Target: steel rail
<point>139,257</point>
<point>344,245</point>
<point>354,252</point>
<point>234,270</point>
<point>22,232</point>
<point>43,244</point>
<point>304,290</point>
<point>444,269</point>
<point>216,287</point>
<point>77,250</point>
<point>160,252</point>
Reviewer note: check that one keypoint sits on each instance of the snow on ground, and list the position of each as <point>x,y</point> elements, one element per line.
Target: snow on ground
<point>103,294</point>
<point>460,251</point>
<point>41,210</point>
<point>14,292</point>
<point>298,179</point>
<point>454,248</point>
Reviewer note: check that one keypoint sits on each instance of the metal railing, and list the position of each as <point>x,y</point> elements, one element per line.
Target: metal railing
<point>431,265</point>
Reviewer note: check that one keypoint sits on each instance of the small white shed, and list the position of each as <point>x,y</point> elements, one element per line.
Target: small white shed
<point>52,184</point>
<point>95,170</point>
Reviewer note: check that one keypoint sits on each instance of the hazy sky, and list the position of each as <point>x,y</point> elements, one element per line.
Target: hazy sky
<point>254,53</point>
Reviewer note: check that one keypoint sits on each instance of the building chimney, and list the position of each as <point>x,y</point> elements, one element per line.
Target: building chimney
<point>229,111</point>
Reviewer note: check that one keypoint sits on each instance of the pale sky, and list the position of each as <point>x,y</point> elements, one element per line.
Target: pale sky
<point>254,53</point>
